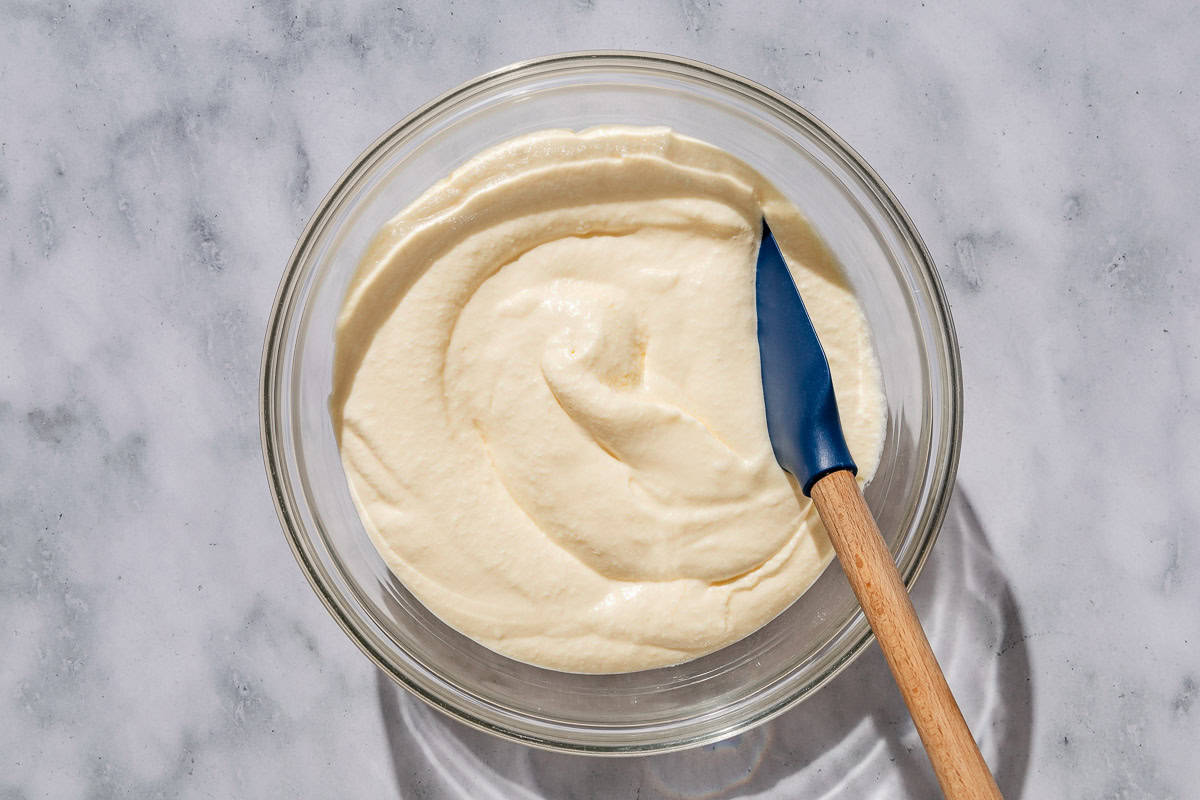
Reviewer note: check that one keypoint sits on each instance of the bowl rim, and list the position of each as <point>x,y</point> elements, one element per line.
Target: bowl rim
<point>283,307</point>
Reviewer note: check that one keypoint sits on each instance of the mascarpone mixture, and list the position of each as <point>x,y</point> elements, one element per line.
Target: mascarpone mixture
<point>548,399</point>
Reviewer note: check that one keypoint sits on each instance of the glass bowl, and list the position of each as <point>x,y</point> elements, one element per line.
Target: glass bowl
<point>743,684</point>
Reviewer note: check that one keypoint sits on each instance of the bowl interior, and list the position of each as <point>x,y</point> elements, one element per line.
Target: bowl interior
<point>663,708</point>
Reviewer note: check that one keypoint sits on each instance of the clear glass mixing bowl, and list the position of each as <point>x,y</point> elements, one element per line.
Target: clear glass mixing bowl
<point>720,694</point>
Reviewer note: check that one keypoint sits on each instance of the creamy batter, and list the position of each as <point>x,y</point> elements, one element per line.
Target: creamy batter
<point>549,406</point>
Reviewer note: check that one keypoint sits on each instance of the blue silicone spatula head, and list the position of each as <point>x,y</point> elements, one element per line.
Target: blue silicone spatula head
<point>802,414</point>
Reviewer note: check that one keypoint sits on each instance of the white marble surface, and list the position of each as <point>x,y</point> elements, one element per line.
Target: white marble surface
<point>156,166</point>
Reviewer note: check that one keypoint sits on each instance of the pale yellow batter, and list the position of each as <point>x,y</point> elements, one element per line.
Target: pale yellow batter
<point>549,406</point>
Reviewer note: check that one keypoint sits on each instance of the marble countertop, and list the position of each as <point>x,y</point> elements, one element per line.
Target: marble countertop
<point>158,163</point>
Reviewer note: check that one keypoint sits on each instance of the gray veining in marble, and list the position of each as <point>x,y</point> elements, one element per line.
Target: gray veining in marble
<point>156,165</point>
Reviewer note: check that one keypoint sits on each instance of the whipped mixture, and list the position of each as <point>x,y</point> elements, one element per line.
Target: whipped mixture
<point>548,399</point>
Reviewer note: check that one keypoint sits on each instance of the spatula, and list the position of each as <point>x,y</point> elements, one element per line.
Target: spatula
<point>806,435</point>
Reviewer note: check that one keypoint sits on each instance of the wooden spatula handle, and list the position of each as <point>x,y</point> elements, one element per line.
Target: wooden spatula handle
<point>868,564</point>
